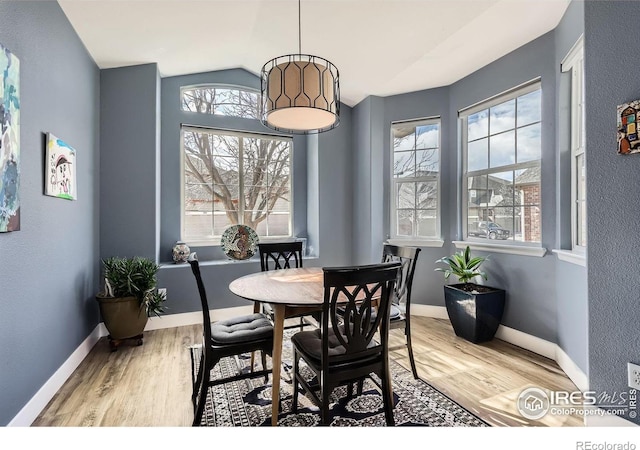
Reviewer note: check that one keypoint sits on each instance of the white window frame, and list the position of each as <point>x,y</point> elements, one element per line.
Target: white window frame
<point>424,241</point>
<point>573,63</point>
<point>214,239</point>
<point>510,246</point>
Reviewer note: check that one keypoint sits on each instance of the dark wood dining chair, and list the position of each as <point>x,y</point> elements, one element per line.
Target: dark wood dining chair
<point>343,350</point>
<point>400,314</point>
<point>276,256</point>
<point>230,337</point>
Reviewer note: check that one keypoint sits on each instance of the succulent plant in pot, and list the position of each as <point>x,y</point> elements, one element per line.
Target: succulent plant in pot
<point>475,310</point>
<point>129,297</point>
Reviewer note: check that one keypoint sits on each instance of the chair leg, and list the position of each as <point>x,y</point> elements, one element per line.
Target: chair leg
<point>264,364</point>
<point>196,382</point>
<point>325,389</point>
<point>360,386</point>
<point>407,332</point>
<point>296,365</point>
<point>387,396</point>
<point>204,390</point>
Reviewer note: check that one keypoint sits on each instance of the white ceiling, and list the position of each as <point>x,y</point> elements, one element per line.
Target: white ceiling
<point>381,47</point>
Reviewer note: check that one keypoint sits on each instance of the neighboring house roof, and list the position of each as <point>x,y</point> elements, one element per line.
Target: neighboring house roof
<point>529,176</point>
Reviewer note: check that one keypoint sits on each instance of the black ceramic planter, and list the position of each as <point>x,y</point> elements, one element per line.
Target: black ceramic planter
<point>474,316</point>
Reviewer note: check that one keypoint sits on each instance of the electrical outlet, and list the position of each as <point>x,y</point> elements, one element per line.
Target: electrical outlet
<point>633,375</point>
<point>164,291</point>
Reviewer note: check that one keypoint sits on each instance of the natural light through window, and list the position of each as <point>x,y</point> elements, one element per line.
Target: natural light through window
<point>235,178</point>
<point>416,177</point>
<point>220,100</point>
<point>502,149</point>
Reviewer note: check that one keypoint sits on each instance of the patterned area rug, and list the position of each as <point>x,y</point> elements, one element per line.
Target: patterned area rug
<point>248,402</point>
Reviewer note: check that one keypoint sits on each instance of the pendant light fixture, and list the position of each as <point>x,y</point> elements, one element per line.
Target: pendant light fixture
<point>300,94</point>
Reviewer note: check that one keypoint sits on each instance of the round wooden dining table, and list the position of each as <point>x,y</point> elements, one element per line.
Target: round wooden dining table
<point>290,292</point>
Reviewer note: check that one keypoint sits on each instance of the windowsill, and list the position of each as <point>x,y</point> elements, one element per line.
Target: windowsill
<point>416,242</point>
<point>502,248</point>
<point>572,257</point>
<point>221,262</point>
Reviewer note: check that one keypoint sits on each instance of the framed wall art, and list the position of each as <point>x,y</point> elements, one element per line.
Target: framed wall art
<point>9,141</point>
<point>627,118</point>
<point>60,177</point>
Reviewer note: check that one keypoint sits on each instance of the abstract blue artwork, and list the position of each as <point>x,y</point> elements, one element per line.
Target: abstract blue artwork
<point>9,141</point>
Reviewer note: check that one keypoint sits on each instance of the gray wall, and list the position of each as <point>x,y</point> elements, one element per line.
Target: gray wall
<point>48,269</point>
<point>614,203</point>
<point>129,161</point>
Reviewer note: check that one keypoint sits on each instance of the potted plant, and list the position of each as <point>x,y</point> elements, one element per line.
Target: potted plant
<point>475,310</point>
<point>129,298</point>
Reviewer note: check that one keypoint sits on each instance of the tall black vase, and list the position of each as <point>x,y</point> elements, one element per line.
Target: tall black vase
<point>475,316</point>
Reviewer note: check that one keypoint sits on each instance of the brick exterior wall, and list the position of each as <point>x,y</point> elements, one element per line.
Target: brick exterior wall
<point>532,222</point>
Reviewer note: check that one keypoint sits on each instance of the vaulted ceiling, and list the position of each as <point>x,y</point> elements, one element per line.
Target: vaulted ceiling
<point>381,47</point>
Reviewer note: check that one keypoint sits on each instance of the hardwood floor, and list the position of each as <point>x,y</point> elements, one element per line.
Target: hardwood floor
<point>150,385</point>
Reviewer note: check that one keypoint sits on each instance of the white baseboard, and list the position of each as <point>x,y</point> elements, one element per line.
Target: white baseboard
<point>437,312</point>
<point>30,411</point>
<point>574,372</point>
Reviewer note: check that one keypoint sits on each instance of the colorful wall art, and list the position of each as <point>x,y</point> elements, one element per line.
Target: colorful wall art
<point>9,141</point>
<point>60,179</point>
<point>628,120</point>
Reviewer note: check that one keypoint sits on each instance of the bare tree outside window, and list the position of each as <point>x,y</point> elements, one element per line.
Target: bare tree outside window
<point>416,167</point>
<point>221,100</point>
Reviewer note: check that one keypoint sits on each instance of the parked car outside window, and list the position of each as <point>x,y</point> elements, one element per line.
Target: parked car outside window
<point>486,229</point>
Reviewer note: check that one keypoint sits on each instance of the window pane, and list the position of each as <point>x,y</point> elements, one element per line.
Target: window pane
<point>427,136</point>
<point>502,149</point>
<point>502,117</point>
<point>528,186</point>
<point>223,220</point>
<point>529,143</point>
<point>278,224</point>
<point>530,108</point>
<point>427,223</point>
<point>198,225</point>
<point>478,155</point>
<point>504,224</point>
<point>427,162</point>
<point>427,195</point>
<point>405,223</point>
<point>404,164</point>
<point>404,137</point>
<point>581,201</point>
<point>531,223</point>
<point>502,192</point>
<point>221,101</point>
<point>478,125</point>
<point>214,183</point>
<point>478,193</point>
<point>406,196</point>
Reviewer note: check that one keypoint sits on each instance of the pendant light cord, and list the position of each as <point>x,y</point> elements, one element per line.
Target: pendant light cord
<point>299,31</point>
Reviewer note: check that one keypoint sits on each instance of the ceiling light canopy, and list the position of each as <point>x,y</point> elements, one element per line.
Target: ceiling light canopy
<point>300,94</point>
